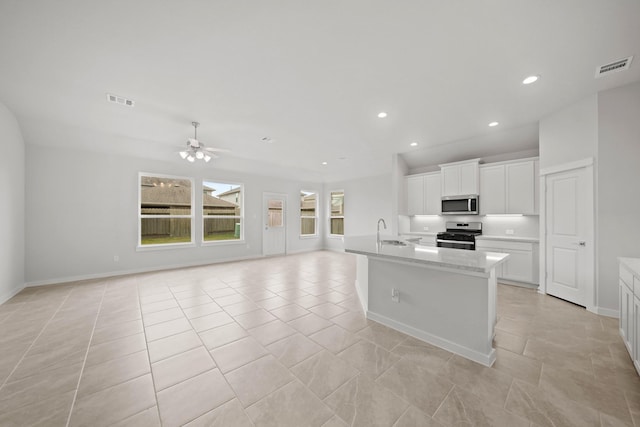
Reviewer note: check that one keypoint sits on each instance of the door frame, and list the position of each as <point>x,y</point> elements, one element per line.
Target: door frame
<point>591,291</point>
<point>265,195</point>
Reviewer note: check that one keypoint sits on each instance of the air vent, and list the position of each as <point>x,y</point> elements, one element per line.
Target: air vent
<point>120,100</point>
<point>613,67</point>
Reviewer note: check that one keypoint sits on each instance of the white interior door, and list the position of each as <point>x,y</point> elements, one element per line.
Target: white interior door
<point>569,235</point>
<point>274,236</point>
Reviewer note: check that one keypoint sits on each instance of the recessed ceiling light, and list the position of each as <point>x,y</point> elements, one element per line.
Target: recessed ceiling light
<point>414,144</point>
<point>382,114</point>
<point>529,80</point>
<point>492,124</point>
<point>324,163</point>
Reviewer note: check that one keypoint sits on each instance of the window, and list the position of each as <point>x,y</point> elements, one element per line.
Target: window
<point>308,213</point>
<point>221,211</point>
<point>337,213</point>
<point>166,214</point>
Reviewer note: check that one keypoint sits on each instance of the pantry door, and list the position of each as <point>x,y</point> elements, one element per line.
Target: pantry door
<point>569,235</point>
<point>274,234</point>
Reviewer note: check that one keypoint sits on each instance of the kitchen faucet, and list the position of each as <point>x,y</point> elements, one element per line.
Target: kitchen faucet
<point>385,227</point>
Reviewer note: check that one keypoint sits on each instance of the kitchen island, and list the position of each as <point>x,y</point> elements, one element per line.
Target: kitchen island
<point>446,297</point>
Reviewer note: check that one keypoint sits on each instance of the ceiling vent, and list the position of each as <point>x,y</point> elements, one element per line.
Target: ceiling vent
<point>620,65</point>
<point>120,100</point>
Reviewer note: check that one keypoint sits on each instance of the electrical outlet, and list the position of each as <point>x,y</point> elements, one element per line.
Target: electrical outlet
<point>509,231</point>
<point>395,295</point>
<point>116,258</point>
<point>425,228</point>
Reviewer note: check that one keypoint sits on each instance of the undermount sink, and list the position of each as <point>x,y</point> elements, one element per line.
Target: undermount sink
<point>393,242</point>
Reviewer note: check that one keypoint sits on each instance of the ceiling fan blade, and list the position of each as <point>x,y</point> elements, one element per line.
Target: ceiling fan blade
<point>219,150</point>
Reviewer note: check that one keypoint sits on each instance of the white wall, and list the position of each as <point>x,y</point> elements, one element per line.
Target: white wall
<point>365,201</point>
<point>618,202</point>
<point>82,211</point>
<point>12,189</point>
<point>570,134</point>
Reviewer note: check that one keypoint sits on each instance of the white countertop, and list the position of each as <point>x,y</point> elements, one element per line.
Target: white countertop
<point>509,238</point>
<point>632,264</point>
<point>459,259</point>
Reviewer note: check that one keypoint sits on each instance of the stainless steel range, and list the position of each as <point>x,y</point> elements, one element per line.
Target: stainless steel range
<point>459,235</point>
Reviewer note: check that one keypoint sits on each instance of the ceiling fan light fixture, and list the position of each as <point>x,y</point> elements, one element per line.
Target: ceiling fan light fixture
<point>184,154</point>
<point>191,158</point>
<point>207,158</point>
<point>199,155</point>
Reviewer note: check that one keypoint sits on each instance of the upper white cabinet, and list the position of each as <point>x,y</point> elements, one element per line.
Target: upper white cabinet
<point>492,190</point>
<point>415,195</point>
<point>432,197</point>
<point>509,188</point>
<point>520,187</point>
<point>423,194</point>
<point>460,178</point>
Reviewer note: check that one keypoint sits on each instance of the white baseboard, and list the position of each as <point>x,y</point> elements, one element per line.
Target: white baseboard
<point>6,296</point>
<point>483,359</point>
<point>363,301</point>
<point>118,273</point>
<point>607,312</point>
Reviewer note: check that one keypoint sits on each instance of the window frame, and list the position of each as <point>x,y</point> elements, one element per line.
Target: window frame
<point>241,240</point>
<point>315,217</point>
<point>191,217</point>
<point>331,216</point>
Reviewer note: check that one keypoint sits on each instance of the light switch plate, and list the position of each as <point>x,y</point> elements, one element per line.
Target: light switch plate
<point>425,228</point>
<point>509,231</point>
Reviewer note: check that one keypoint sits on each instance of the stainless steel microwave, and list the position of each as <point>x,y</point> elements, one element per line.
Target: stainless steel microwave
<point>460,205</point>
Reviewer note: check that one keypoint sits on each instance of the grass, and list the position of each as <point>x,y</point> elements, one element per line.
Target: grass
<point>228,235</point>
<point>161,240</point>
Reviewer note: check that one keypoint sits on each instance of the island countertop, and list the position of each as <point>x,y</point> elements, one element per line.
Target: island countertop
<point>458,259</point>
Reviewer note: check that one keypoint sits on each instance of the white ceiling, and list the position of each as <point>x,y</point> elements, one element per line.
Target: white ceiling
<point>310,75</point>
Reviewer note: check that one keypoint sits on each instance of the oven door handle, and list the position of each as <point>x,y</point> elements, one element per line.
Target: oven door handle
<point>462,242</point>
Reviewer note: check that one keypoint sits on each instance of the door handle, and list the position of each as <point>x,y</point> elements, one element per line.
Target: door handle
<point>581,243</point>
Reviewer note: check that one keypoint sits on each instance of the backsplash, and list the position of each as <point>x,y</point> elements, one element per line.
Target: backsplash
<point>522,226</point>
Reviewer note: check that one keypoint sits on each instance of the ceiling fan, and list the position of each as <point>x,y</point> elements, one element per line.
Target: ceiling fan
<point>197,150</point>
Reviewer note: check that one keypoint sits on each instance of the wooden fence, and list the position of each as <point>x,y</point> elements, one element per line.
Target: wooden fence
<point>181,227</point>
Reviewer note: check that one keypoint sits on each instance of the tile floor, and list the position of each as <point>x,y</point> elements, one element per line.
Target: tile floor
<point>283,342</point>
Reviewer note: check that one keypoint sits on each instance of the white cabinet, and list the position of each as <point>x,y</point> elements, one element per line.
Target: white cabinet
<point>520,188</point>
<point>415,195</point>
<point>629,285</point>
<point>508,188</point>
<point>460,178</point>
<point>636,327</point>
<point>423,194</point>
<point>432,198</point>
<point>522,264</point>
<point>626,308</point>
<point>492,190</point>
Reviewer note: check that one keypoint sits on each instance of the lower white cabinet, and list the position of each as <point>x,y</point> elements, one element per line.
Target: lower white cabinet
<point>636,315</point>
<point>629,285</point>
<point>626,315</point>
<point>522,264</point>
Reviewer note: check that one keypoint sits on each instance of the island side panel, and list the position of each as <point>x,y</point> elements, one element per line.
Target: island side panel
<point>362,280</point>
<point>452,310</point>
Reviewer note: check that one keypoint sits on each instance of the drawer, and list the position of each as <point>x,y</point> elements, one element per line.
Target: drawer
<point>626,276</point>
<point>503,244</point>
